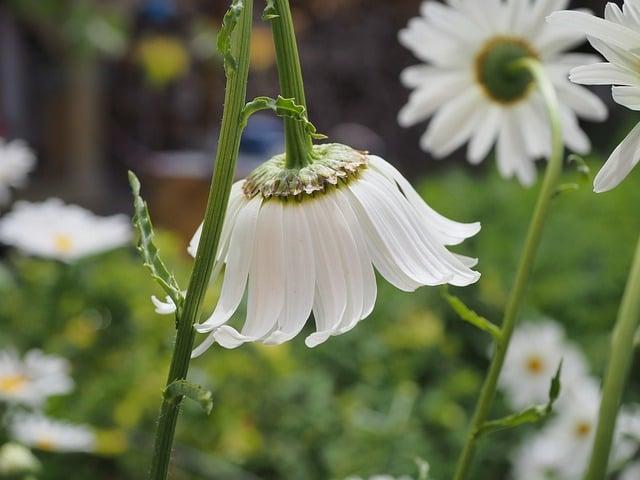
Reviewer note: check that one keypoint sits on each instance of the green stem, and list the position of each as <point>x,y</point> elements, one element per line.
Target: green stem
<point>297,139</point>
<point>534,235</point>
<point>622,348</point>
<point>223,175</point>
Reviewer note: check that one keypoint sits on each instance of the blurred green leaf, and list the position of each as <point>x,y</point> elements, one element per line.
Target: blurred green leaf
<point>229,23</point>
<point>469,316</point>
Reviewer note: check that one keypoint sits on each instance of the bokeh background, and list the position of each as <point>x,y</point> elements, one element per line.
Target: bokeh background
<point>98,87</point>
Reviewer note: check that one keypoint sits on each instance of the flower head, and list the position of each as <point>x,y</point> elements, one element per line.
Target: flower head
<point>31,380</point>
<point>16,161</point>
<point>42,433</point>
<point>17,460</point>
<point>617,38</point>
<point>471,88</point>
<point>308,240</point>
<point>534,355</point>
<point>63,232</point>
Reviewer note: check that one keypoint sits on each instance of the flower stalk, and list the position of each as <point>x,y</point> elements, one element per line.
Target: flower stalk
<point>622,348</point>
<point>534,235</point>
<point>223,175</point>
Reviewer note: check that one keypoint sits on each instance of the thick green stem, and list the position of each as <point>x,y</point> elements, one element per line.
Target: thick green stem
<point>622,348</point>
<point>223,175</point>
<point>297,139</point>
<point>534,235</point>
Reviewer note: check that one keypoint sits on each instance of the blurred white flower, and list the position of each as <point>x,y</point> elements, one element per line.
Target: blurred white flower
<point>532,361</point>
<point>470,88</point>
<point>168,307</point>
<point>617,38</point>
<point>628,434</point>
<point>34,378</point>
<point>16,161</point>
<point>306,240</point>
<point>42,433</point>
<point>381,477</point>
<point>632,472</point>
<point>17,460</point>
<point>63,232</point>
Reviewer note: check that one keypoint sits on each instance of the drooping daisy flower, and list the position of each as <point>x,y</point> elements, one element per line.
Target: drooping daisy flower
<point>16,161</point>
<point>533,358</point>
<point>31,380</point>
<point>617,38</point>
<point>63,232</point>
<point>42,433</point>
<point>308,240</point>
<point>470,88</point>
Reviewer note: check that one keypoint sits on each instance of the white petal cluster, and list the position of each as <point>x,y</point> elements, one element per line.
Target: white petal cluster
<point>31,380</point>
<point>16,162</point>
<point>617,38</point>
<point>317,254</point>
<point>535,352</point>
<point>42,433</point>
<point>17,460</point>
<point>62,232</point>
<point>451,40</point>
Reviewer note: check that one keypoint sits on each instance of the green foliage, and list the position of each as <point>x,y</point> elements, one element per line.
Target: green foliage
<point>229,23</point>
<point>270,11</point>
<point>469,316</point>
<point>184,388</point>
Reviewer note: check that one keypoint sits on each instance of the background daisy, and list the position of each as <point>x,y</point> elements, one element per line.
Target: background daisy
<point>42,433</point>
<point>16,162</point>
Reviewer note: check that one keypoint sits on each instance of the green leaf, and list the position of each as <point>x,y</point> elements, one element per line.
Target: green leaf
<point>270,11</point>
<point>581,167</point>
<point>184,388</point>
<point>147,248</point>
<point>283,107</point>
<point>469,316</point>
<point>530,415</point>
<point>229,23</point>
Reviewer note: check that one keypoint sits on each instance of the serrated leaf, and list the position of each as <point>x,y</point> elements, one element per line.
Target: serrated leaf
<point>530,415</point>
<point>148,250</point>
<point>283,107</point>
<point>184,388</point>
<point>581,166</point>
<point>270,11</point>
<point>229,22</point>
<point>469,316</point>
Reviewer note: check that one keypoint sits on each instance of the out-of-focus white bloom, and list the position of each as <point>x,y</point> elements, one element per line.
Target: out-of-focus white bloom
<point>628,434</point>
<point>16,161</point>
<point>63,232</point>
<point>168,307</point>
<point>632,472</point>
<point>17,460</point>
<point>308,240</point>
<point>617,38</point>
<point>31,380</point>
<point>533,358</point>
<point>381,477</point>
<point>470,88</point>
<point>42,433</point>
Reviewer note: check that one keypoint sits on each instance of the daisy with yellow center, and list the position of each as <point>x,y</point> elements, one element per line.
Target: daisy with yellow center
<point>42,433</point>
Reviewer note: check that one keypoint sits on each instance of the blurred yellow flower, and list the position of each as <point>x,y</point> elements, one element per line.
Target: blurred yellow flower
<point>164,59</point>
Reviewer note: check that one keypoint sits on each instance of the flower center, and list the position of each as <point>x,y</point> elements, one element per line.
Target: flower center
<point>495,71</point>
<point>333,164</point>
<point>13,383</point>
<point>534,365</point>
<point>45,443</point>
<point>63,243</point>
<point>583,429</point>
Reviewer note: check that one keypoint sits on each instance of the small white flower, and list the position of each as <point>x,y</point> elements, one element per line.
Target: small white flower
<point>474,96</point>
<point>42,433</point>
<point>31,380</point>
<point>306,240</point>
<point>533,358</point>
<point>16,161</point>
<point>168,307</point>
<point>632,472</point>
<point>17,460</point>
<point>63,232</point>
<point>617,38</point>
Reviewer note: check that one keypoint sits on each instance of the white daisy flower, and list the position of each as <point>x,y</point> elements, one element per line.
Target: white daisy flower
<point>308,240</point>
<point>17,460</point>
<point>42,433</point>
<point>534,354</point>
<point>168,307</point>
<point>32,379</point>
<point>16,161</point>
<point>632,472</point>
<point>63,232</point>
<point>617,38</point>
<point>470,88</point>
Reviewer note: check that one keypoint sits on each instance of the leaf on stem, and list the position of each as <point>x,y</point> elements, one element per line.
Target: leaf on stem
<point>530,415</point>
<point>150,253</point>
<point>283,107</point>
<point>270,11</point>
<point>184,388</point>
<point>469,316</point>
<point>229,23</point>
<point>584,173</point>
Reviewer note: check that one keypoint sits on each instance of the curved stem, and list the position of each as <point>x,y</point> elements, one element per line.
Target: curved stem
<point>228,147</point>
<point>622,348</point>
<point>297,139</point>
<point>534,235</point>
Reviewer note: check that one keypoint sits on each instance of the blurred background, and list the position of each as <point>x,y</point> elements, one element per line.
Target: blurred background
<point>97,87</point>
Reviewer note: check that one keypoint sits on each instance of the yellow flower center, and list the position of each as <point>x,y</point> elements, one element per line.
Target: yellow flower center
<point>46,444</point>
<point>583,429</point>
<point>63,243</point>
<point>12,383</point>
<point>535,365</point>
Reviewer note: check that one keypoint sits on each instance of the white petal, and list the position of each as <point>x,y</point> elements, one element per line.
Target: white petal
<point>484,136</point>
<point>627,97</point>
<point>603,74</point>
<point>511,153</point>
<point>574,136</point>
<point>585,103</point>
<point>204,345</point>
<point>620,163</point>
<point>167,307</point>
